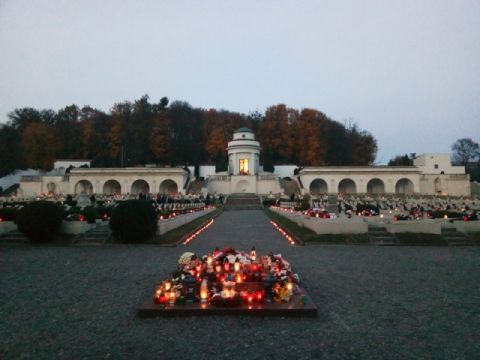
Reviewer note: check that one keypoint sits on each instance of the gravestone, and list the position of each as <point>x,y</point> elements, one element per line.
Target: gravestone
<point>332,204</point>
<point>83,200</point>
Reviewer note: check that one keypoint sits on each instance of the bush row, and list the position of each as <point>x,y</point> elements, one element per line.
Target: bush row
<point>131,221</point>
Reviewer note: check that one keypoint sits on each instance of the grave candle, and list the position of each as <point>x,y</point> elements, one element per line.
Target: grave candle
<point>236,266</point>
<point>172,297</point>
<point>253,254</point>
<point>204,291</point>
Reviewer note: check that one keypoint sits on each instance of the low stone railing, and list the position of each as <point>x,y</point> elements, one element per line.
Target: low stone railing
<point>355,225</point>
<point>167,225</point>
<point>7,226</point>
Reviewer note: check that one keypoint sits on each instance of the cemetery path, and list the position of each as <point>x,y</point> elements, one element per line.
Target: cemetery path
<point>241,230</point>
<point>80,302</point>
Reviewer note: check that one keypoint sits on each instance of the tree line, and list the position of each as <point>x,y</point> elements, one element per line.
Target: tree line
<point>176,134</point>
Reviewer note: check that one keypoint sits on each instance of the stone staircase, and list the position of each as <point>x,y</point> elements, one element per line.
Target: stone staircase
<point>13,237</point>
<point>379,235</point>
<point>95,236</point>
<point>243,202</point>
<point>290,186</point>
<point>195,186</point>
<point>454,237</point>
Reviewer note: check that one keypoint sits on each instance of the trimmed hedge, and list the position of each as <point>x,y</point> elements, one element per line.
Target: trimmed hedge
<point>90,214</point>
<point>303,205</point>
<point>269,202</point>
<point>134,221</point>
<point>8,213</point>
<point>438,214</point>
<point>40,221</point>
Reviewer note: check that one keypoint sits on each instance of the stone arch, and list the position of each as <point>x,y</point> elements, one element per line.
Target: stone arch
<point>140,186</point>
<point>84,187</point>
<point>168,187</point>
<point>404,186</point>
<point>51,187</point>
<point>318,186</point>
<point>242,186</point>
<point>375,186</point>
<point>347,186</point>
<point>112,187</point>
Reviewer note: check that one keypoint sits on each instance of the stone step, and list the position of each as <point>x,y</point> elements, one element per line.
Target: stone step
<point>290,187</point>
<point>383,241</point>
<point>377,229</point>
<point>242,207</point>
<point>96,236</point>
<point>14,237</point>
<point>455,238</point>
<point>379,235</point>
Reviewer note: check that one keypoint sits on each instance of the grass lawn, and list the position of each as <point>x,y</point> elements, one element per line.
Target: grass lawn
<point>307,236</point>
<point>475,236</point>
<point>420,239</point>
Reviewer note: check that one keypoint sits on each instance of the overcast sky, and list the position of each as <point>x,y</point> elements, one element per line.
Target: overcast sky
<point>408,71</point>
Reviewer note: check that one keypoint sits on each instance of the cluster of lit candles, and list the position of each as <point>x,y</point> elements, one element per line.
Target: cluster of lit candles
<point>196,233</point>
<point>176,212</point>
<point>283,232</point>
<point>215,279</point>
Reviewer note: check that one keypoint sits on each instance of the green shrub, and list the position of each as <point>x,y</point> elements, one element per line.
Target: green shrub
<point>134,221</point>
<point>438,214</point>
<point>103,210</point>
<point>40,221</point>
<point>361,207</point>
<point>90,214</point>
<point>269,202</point>
<point>303,205</point>
<point>8,213</point>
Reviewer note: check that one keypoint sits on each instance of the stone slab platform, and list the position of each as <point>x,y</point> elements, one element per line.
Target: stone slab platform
<point>294,308</point>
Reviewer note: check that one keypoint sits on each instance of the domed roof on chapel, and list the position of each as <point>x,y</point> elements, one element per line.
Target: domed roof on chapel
<point>243,129</point>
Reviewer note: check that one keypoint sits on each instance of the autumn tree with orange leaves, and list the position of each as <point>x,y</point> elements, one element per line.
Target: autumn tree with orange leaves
<point>177,134</point>
<point>39,145</point>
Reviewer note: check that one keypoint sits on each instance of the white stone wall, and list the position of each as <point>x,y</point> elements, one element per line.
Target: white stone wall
<point>204,170</point>
<point>436,164</point>
<point>158,180</point>
<point>452,185</point>
<point>265,187</point>
<point>216,184</point>
<point>360,177</point>
<point>284,170</point>
<point>65,163</point>
<point>243,184</point>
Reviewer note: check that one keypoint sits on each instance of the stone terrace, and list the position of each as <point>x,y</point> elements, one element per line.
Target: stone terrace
<point>374,302</point>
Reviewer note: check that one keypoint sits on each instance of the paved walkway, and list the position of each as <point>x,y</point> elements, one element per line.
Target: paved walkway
<point>374,302</point>
<point>241,230</point>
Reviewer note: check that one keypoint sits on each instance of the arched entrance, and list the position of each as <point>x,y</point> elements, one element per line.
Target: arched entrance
<point>404,186</point>
<point>318,186</point>
<point>168,187</point>
<point>375,186</point>
<point>140,186</point>
<point>112,187</point>
<point>242,186</point>
<point>84,187</point>
<point>347,186</point>
<point>51,187</point>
